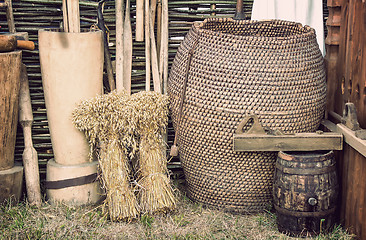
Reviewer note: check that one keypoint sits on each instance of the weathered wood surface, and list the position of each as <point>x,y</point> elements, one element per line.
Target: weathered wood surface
<point>352,171</point>
<point>295,142</point>
<point>347,84</point>
<point>305,190</point>
<point>30,158</point>
<point>32,15</point>
<point>9,91</point>
<point>11,184</point>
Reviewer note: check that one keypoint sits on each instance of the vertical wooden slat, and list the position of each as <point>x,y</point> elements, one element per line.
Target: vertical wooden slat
<point>332,48</point>
<point>351,81</point>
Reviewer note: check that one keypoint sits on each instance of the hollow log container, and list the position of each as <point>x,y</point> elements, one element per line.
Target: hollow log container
<point>10,63</point>
<point>72,71</point>
<point>305,192</point>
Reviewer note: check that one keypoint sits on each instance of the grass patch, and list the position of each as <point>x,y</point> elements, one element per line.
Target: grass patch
<point>190,221</point>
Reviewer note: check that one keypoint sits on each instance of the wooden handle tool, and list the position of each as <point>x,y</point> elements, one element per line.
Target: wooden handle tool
<point>30,158</point>
<point>10,43</point>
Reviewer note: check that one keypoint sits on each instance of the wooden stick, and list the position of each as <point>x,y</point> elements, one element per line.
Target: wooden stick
<point>119,44</point>
<point>65,16</point>
<point>10,16</point>
<point>153,11</point>
<point>158,28</point>
<point>147,44</point>
<point>73,15</point>
<point>165,43</point>
<point>154,58</point>
<point>107,55</point>
<point>127,50</point>
<point>30,158</point>
<point>139,20</point>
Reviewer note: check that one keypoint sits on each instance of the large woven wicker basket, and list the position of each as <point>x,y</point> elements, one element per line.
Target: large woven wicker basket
<point>224,70</point>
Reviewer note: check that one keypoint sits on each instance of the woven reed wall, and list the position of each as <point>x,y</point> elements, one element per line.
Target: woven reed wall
<point>32,15</point>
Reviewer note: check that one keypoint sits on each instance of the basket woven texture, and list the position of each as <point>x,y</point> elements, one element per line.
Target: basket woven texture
<point>224,70</point>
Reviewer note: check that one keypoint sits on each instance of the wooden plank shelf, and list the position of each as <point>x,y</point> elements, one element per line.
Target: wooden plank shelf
<point>257,139</point>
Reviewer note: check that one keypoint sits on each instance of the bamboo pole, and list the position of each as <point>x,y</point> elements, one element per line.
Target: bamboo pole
<point>119,44</point>
<point>127,50</point>
<point>147,44</point>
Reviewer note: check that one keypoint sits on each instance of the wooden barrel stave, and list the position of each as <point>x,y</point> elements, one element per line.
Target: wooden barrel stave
<point>9,92</point>
<point>301,177</point>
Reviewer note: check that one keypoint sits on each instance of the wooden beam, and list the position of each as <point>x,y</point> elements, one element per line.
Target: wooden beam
<point>295,142</point>
<point>350,138</point>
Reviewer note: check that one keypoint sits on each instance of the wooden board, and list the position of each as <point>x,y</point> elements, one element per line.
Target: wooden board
<point>296,142</point>
<point>352,172</point>
<point>349,85</point>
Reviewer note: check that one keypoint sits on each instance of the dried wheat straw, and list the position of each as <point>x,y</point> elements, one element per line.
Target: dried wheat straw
<point>155,193</point>
<point>107,123</point>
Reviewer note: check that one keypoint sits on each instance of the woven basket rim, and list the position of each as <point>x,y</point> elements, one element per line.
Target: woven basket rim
<point>308,31</point>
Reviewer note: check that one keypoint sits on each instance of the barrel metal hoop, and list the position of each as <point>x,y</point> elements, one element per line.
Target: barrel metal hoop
<point>71,182</point>
<point>309,171</point>
<point>304,214</point>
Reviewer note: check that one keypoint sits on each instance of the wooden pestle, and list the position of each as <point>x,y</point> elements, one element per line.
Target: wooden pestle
<point>30,158</point>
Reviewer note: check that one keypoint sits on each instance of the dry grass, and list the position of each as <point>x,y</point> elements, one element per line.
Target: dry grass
<point>189,221</point>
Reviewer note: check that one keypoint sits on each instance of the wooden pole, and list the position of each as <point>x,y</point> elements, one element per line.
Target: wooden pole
<point>158,28</point>
<point>154,58</point>
<point>127,50</point>
<point>107,55</point>
<point>147,44</point>
<point>73,15</point>
<point>10,16</point>
<point>119,44</point>
<point>139,20</point>
<point>165,43</point>
<point>65,16</point>
<point>30,158</point>
<point>153,11</point>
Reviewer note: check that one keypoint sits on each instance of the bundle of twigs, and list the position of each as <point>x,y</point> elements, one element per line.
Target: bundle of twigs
<point>107,122</point>
<point>155,193</point>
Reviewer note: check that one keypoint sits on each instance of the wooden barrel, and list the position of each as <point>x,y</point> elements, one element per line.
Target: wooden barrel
<point>9,91</point>
<point>305,191</point>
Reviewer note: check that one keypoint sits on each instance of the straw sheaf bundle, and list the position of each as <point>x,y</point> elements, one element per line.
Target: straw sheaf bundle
<point>155,193</point>
<point>107,122</point>
<point>117,126</point>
